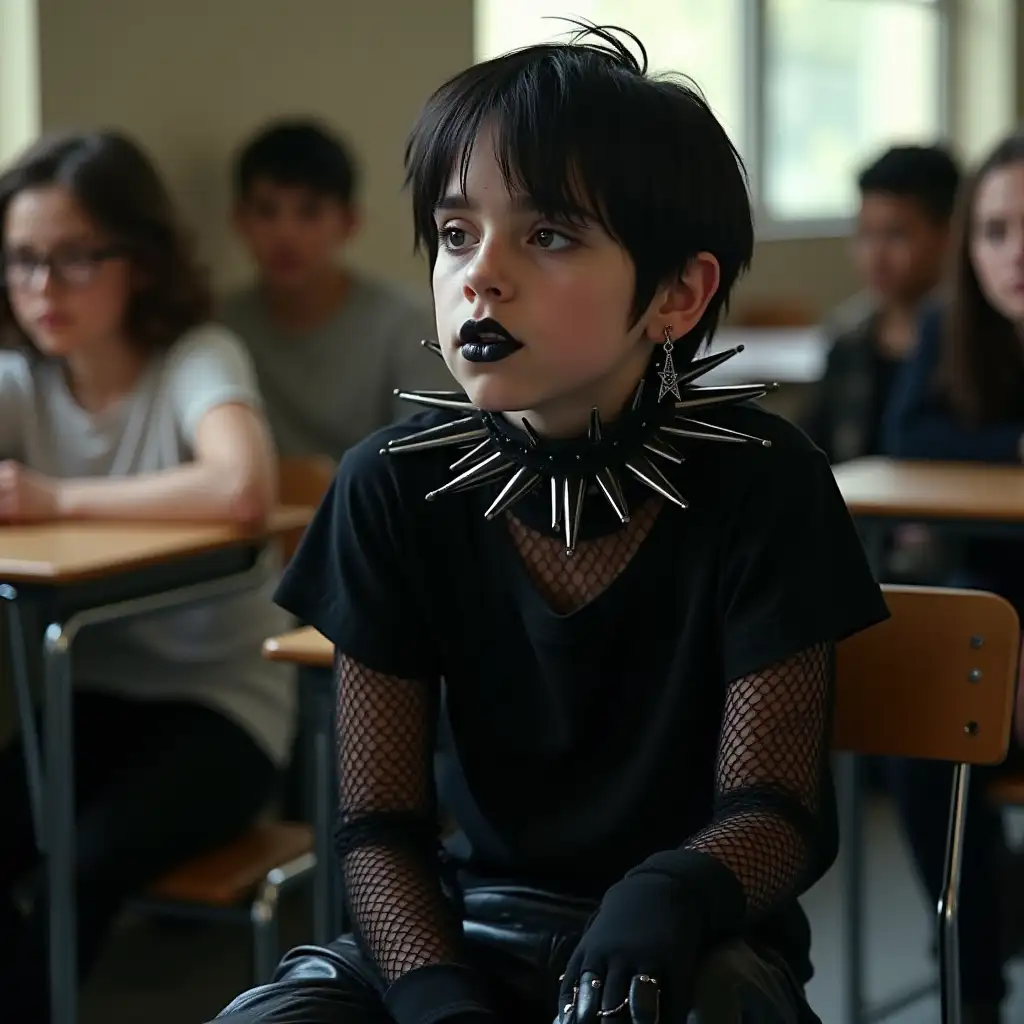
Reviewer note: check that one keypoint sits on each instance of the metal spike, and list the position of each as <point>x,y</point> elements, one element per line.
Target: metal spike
<point>531,433</point>
<point>573,492</point>
<point>612,491</point>
<point>595,426</point>
<point>460,431</point>
<point>433,346</point>
<point>647,473</point>
<point>484,447</point>
<point>482,473</point>
<point>638,395</point>
<point>436,399</point>
<point>556,514</point>
<point>699,435</point>
<point>657,446</point>
<point>695,398</point>
<point>710,432</point>
<point>701,366</point>
<point>451,441</point>
<point>522,482</point>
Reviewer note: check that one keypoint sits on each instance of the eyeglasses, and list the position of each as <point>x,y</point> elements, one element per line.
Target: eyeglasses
<point>74,267</point>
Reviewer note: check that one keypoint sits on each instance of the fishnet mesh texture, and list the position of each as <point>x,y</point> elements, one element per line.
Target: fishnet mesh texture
<point>567,582</point>
<point>386,834</point>
<point>772,760</point>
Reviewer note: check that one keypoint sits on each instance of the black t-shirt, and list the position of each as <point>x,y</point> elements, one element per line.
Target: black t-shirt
<point>582,743</point>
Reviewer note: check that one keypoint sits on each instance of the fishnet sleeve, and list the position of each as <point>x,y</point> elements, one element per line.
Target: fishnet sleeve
<point>386,834</point>
<point>771,827</point>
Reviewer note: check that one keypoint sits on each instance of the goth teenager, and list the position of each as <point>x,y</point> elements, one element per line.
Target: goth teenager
<point>605,597</point>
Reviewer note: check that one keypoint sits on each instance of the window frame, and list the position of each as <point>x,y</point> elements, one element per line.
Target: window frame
<point>752,145</point>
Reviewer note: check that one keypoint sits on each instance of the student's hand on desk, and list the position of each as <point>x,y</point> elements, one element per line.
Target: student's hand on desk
<point>26,496</point>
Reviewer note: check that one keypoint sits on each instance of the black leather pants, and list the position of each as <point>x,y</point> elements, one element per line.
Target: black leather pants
<point>521,961</point>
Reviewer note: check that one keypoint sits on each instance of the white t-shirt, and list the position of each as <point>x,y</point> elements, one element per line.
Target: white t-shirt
<point>209,652</point>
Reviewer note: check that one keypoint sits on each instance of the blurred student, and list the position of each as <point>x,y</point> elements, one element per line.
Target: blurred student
<point>330,344</point>
<point>907,198</point>
<point>120,402</point>
<point>962,399</point>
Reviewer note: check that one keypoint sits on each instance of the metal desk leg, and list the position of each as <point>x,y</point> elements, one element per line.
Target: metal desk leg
<point>851,830</point>
<point>60,819</point>
<point>949,901</point>
<point>58,794</point>
<point>22,678</point>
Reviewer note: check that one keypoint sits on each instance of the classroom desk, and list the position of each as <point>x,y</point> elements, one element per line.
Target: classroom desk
<point>313,654</point>
<point>306,647</point>
<point>59,577</point>
<point>964,499</point>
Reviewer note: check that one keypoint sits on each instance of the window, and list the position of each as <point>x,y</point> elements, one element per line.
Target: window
<point>808,89</point>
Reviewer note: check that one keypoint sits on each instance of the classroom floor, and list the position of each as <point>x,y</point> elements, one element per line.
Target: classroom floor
<point>182,974</point>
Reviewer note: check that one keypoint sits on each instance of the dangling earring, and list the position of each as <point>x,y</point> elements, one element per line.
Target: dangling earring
<point>667,373</point>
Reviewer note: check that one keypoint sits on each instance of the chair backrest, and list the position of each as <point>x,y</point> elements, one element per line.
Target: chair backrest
<point>935,681</point>
<point>302,480</point>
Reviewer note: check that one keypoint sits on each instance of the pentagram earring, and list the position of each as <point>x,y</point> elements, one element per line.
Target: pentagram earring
<point>667,373</point>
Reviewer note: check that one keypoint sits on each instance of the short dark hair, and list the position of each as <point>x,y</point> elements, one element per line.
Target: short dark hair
<point>301,153</point>
<point>582,124</point>
<point>982,366</point>
<point>928,174</point>
<point>118,187</point>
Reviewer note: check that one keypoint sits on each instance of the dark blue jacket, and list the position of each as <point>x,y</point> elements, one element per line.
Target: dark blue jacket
<point>921,425</point>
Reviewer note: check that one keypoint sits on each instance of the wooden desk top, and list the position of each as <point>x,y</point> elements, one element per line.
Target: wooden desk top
<point>72,552</point>
<point>300,647</point>
<point>932,490</point>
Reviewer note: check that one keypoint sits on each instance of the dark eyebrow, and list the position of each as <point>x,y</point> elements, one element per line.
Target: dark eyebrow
<point>521,204</point>
<point>457,201</point>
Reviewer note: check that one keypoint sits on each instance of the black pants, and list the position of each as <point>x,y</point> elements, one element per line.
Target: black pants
<point>521,957</point>
<point>155,783</point>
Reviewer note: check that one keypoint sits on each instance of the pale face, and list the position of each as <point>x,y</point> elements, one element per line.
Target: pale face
<point>69,284</point>
<point>563,291</point>
<point>997,240</point>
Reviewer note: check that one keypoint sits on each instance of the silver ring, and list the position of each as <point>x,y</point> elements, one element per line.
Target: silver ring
<point>570,1007</point>
<point>618,1009</point>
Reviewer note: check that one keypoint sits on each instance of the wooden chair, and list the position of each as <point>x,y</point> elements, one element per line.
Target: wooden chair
<point>245,878</point>
<point>936,681</point>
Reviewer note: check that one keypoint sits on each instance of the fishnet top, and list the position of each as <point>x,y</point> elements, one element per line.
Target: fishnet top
<point>770,771</point>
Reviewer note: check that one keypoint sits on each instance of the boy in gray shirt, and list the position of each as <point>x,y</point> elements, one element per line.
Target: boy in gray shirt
<point>329,345</point>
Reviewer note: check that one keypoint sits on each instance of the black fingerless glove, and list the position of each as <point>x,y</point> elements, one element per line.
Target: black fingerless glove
<point>639,954</point>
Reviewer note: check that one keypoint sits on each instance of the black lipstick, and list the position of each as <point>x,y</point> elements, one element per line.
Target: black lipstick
<point>486,341</point>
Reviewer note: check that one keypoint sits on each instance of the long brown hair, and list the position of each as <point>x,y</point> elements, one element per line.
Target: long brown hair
<point>981,372</point>
<point>118,187</point>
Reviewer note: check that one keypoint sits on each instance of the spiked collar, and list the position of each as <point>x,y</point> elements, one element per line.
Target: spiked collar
<point>491,451</point>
